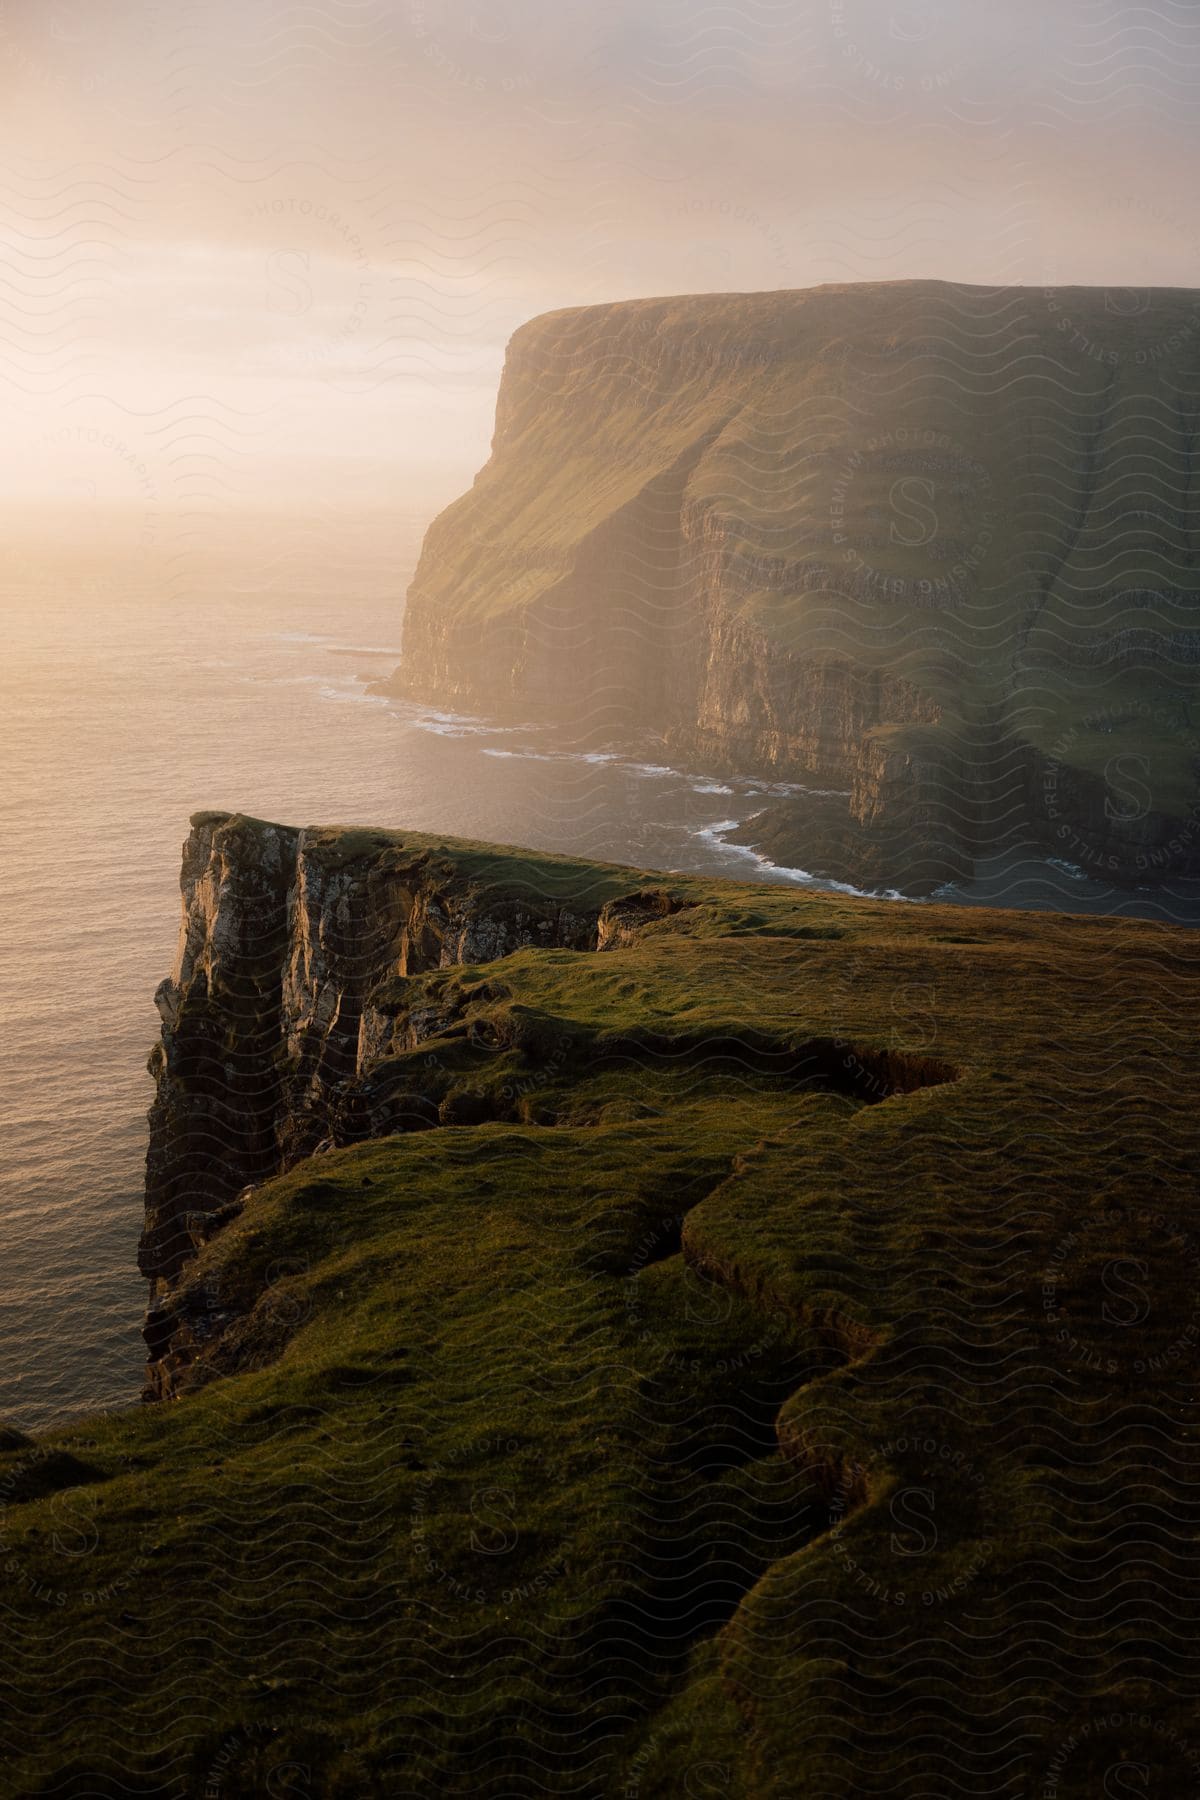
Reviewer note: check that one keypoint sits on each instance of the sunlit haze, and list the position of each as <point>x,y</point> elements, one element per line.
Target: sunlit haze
<point>265,258</point>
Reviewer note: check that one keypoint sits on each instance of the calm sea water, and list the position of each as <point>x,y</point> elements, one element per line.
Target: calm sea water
<point>118,718</point>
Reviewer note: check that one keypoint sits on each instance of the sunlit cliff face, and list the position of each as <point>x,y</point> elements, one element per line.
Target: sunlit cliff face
<point>266,257</point>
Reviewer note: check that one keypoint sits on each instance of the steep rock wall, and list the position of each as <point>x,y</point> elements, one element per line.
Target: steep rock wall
<point>273,1018</point>
<point>893,540</point>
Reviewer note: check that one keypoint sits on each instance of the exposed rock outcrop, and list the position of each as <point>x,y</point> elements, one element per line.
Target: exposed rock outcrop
<point>622,920</point>
<point>283,998</point>
<point>923,549</point>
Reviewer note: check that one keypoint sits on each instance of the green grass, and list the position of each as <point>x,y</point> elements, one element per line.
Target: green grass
<point>597,1448</point>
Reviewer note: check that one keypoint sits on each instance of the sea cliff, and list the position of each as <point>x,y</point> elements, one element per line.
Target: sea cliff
<point>616,1330</point>
<point>287,1000</point>
<point>312,967</point>
<point>921,548</point>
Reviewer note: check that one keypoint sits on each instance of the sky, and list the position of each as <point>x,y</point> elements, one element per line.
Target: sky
<point>262,259</point>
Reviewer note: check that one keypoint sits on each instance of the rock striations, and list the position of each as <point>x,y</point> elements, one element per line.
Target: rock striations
<point>925,551</point>
<point>288,998</point>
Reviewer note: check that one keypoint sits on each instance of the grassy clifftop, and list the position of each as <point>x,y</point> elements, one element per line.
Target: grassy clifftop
<point>598,401</point>
<point>769,1369</point>
<point>928,544</point>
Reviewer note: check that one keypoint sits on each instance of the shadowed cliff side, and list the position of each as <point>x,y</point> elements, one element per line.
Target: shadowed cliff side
<point>924,549</point>
<point>277,1006</point>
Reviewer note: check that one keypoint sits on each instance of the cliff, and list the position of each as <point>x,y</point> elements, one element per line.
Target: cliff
<point>632,1336</point>
<point>926,546</point>
<point>676,1336</point>
<point>298,1001</point>
<point>287,1001</point>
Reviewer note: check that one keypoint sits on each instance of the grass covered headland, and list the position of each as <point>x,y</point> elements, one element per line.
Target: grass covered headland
<point>924,549</point>
<point>761,1360</point>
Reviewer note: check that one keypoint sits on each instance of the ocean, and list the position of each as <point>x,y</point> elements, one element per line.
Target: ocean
<point>121,713</point>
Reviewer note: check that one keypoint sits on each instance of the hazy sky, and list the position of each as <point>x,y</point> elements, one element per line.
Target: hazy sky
<point>267,255</point>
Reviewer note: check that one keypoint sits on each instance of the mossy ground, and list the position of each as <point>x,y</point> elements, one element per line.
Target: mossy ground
<point>703,1424</point>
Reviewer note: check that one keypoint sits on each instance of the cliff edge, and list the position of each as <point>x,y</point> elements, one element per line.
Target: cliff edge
<point>619,1331</point>
<point>924,550</point>
<point>288,998</point>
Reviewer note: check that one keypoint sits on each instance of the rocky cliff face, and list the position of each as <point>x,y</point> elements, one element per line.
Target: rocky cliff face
<point>291,991</point>
<point>923,548</point>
